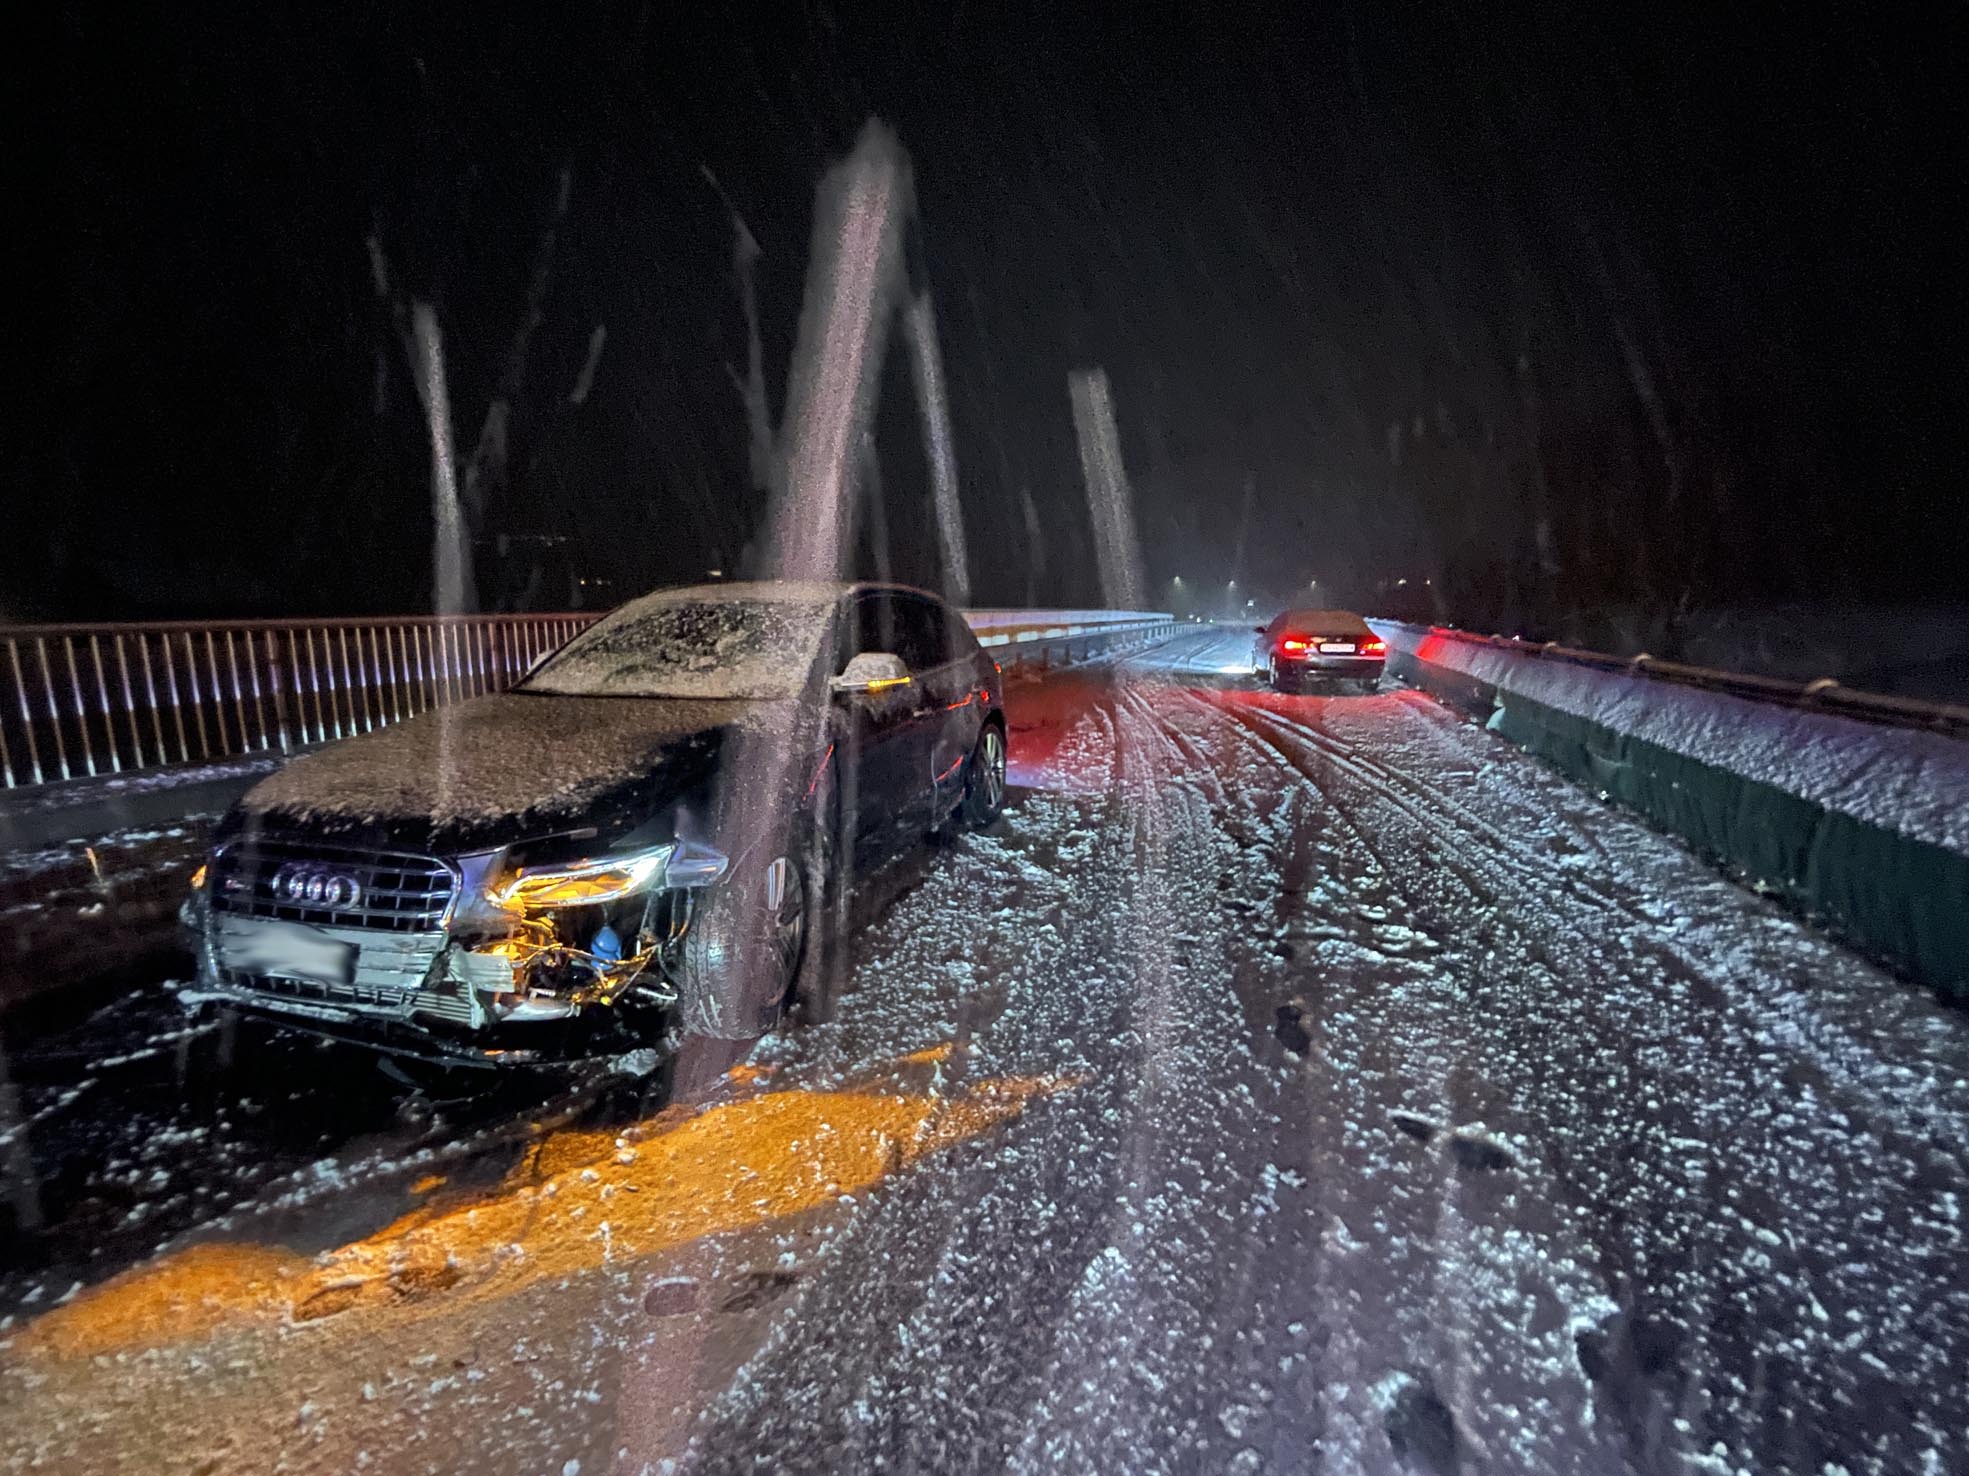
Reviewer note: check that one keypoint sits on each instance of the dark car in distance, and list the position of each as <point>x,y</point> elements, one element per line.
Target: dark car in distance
<point>1327,645</point>
<point>647,832</point>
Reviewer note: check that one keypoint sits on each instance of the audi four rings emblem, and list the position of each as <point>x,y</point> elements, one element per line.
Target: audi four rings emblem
<point>316,886</point>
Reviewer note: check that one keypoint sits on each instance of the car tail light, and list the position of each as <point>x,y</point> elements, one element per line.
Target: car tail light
<point>1374,648</point>
<point>1292,643</point>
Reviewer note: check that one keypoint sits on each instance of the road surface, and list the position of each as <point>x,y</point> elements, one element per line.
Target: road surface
<point>1288,1083</point>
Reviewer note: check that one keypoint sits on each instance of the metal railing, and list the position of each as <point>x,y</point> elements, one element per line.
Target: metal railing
<point>81,701</point>
<point>1037,637</point>
<point>1823,695</point>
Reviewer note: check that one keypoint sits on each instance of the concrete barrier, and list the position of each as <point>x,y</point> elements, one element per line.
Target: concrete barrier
<point>1854,810</point>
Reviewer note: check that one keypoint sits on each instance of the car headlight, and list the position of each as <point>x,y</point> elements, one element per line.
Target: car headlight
<point>607,879</point>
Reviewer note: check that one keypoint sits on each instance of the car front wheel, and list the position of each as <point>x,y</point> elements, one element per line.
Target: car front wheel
<point>744,951</point>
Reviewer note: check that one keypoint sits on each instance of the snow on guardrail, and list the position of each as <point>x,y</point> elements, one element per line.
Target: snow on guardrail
<point>1822,695</point>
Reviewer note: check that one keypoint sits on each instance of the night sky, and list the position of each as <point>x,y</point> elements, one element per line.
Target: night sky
<point>1561,311</point>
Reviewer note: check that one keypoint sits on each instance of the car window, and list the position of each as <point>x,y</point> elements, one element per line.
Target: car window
<point>874,626</point>
<point>904,625</point>
<point>963,640</point>
<point>926,634</point>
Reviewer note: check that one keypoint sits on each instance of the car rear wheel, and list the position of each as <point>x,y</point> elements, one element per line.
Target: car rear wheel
<point>1280,680</point>
<point>745,950</point>
<point>984,779</point>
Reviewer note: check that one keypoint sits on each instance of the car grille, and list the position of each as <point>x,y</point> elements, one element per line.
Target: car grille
<point>454,1005</point>
<point>331,886</point>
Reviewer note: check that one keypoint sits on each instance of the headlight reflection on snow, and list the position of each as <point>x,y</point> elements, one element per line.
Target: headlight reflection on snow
<point>578,1201</point>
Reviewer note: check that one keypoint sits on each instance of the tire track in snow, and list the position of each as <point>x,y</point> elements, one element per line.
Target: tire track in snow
<point>1856,1047</point>
<point>1693,1038</point>
<point>1125,888</point>
<point>1402,791</point>
<point>1463,1259</point>
<point>1458,844</point>
<point>1353,1368</point>
<point>1086,1427</point>
<point>1511,929</point>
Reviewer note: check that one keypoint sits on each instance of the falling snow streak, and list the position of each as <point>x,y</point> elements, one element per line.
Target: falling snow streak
<point>853,279</point>
<point>926,357</point>
<point>1108,498</point>
<point>852,276</point>
<point>452,592</point>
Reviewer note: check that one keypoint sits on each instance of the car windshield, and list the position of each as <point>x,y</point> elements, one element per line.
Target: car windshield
<point>704,648</point>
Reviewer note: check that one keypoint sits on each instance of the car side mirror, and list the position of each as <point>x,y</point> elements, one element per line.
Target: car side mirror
<point>1257,630</point>
<point>871,671</point>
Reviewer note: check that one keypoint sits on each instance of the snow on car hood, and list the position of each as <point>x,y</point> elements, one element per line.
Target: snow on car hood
<point>505,759</point>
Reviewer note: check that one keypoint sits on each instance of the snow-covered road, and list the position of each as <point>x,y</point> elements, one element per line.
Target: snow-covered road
<point>1288,1083</point>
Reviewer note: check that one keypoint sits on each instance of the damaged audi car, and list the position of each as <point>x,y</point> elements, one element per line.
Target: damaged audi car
<point>652,832</point>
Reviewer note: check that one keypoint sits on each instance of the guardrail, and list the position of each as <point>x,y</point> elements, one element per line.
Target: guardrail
<point>1042,638</point>
<point>83,700</point>
<point>77,701</point>
<point>1823,695</point>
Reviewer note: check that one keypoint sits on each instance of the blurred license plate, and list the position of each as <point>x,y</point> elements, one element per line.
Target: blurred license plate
<point>291,951</point>
<point>1336,648</point>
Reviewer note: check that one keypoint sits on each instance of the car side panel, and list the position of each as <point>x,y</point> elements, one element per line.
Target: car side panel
<point>882,756</point>
<point>888,735</point>
<point>962,697</point>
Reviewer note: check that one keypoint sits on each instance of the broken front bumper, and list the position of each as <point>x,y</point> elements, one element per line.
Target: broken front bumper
<point>443,1014</point>
<point>492,986</point>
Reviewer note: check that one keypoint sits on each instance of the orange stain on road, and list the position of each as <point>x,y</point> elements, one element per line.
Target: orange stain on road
<point>579,1201</point>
